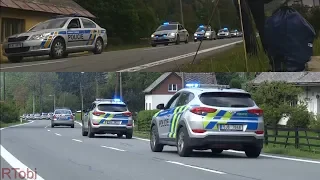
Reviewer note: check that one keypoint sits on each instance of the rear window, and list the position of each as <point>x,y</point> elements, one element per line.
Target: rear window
<point>112,107</point>
<point>62,111</point>
<point>223,99</point>
<point>44,114</point>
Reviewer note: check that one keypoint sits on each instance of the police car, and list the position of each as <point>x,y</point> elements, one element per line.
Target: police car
<point>224,33</point>
<point>202,117</point>
<point>204,32</point>
<point>169,32</point>
<point>56,37</point>
<point>107,116</point>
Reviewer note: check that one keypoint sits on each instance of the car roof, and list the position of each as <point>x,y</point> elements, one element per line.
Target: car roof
<point>109,101</point>
<point>199,91</point>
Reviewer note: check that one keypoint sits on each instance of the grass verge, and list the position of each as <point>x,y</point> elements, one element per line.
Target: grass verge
<point>267,149</point>
<point>233,60</point>
<point>125,47</point>
<point>2,124</point>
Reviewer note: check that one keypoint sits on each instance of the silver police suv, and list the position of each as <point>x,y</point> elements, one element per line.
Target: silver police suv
<point>169,32</point>
<point>203,117</point>
<point>56,37</point>
<point>204,32</point>
<point>107,116</point>
<point>62,117</point>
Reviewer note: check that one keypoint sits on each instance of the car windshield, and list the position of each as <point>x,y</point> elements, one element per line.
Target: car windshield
<point>50,24</point>
<point>203,29</point>
<point>167,27</point>
<point>225,99</point>
<point>234,31</point>
<point>112,107</point>
<point>44,114</point>
<point>62,111</point>
<point>223,30</point>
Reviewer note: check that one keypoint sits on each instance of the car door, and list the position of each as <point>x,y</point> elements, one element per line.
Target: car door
<point>182,32</point>
<point>90,32</point>
<point>75,34</point>
<point>163,118</point>
<point>87,114</point>
<point>179,109</point>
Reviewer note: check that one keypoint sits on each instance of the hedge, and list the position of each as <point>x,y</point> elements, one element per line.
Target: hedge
<point>9,113</point>
<point>144,119</point>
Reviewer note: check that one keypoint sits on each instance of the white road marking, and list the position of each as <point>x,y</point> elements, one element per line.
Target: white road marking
<point>57,134</point>
<point>263,155</point>
<point>283,158</point>
<point>16,125</point>
<point>48,130</point>
<point>171,59</point>
<point>113,148</point>
<point>37,64</point>
<point>76,140</point>
<point>79,123</point>
<point>47,126</point>
<point>15,163</point>
<point>196,167</point>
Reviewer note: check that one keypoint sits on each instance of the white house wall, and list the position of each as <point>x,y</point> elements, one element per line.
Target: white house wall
<point>312,100</point>
<point>151,101</point>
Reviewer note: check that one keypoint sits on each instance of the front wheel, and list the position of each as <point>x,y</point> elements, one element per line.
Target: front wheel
<point>178,40</point>
<point>98,47</point>
<point>184,150</point>
<point>84,133</point>
<point>119,135</point>
<point>129,135</point>
<point>154,140</point>
<point>58,49</point>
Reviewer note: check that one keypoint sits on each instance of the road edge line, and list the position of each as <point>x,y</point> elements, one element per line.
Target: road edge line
<point>16,125</point>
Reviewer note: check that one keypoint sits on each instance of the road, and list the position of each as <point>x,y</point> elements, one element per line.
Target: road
<point>158,58</point>
<point>62,153</point>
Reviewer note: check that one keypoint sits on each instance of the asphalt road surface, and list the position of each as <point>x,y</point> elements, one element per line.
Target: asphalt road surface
<point>64,154</point>
<point>160,58</point>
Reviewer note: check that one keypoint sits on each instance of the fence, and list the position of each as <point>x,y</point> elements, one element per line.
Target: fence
<point>300,138</point>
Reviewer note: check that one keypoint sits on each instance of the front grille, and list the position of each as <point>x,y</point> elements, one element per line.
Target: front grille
<point>18,39</point>
<point>161,40</point>
<point>17,50</point>
<point>161,35</point>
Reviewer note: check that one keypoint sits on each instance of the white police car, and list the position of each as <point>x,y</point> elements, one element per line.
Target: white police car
<point>107,116</point>
<point>212,117</point>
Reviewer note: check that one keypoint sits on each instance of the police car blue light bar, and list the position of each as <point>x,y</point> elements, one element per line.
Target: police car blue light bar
<point>225,28</point>
<point>166,23</point>
<point>201,26</point>
<point>196,85</point>
<point>192,85</point>
<point>117,100</point>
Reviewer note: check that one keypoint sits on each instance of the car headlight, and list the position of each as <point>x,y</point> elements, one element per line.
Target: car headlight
<point>39,36</point>
<point>195,34</point>
<point>172,34</point>
<point>152,35</point>
<point>207,34</point>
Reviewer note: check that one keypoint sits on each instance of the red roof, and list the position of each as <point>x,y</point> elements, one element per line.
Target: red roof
<point>44,7</point>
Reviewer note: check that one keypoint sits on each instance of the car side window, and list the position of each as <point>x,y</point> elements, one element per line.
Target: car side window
<point>185,98</point>
<point>87,23</point>
<point>180,27</point>
<point>74,23</point>
<point>172,102</point>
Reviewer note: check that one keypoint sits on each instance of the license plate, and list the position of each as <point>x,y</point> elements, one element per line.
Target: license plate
<point>229,127</point>
<point>15,45</point>
<point>114,122</point>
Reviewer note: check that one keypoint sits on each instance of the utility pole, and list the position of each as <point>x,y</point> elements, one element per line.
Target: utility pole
<point>33,99</point>
<point>120,74</point>
<point>40,88</point>
<point>97,86</point>
<point>81,95</point>
<point>116,85</point>
<point>3,87</point>
<point>181,12</point>
<point>182,80</point>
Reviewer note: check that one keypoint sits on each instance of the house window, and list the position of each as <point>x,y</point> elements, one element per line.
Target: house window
<point>10,26</point>
<point>172,87</point>
<point>294,103</point>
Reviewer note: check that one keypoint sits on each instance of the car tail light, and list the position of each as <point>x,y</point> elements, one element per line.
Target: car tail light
<point>259,132</point>
<point>54,117</point>
<point>198,130</point>
<point>129,124</point>
<point>95,123</point>
<point>202,110</point>
<point>71,117</point>
<point>129,114</point>
<point>258,112</point>
<point>96,113</point>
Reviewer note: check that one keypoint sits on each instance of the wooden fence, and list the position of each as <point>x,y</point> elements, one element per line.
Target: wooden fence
<point>297,137</point>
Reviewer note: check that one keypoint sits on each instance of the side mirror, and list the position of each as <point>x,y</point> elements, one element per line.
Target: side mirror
<point>160,106</point>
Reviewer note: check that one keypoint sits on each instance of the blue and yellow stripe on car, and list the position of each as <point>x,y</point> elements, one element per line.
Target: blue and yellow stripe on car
<point>212,120</point>
<point>175,120</point>
<point>47,42</point>
<point>92,37</point>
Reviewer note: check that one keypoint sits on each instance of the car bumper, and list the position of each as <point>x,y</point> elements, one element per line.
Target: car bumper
<point>111,129</point>
<point>29,48</point>
<point>226,142</point>
<point>62,122</point>
<point>164,40</point>
<point>223,36</point>
<point>201,37</point>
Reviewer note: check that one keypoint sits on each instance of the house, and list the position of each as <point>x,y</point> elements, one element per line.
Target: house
<point>310,3</point>
<point>20,15</point>
<point>309,81</point>
<point>163,88</point>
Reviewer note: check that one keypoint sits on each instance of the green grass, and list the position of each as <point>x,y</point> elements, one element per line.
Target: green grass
<point>233,60</point>
<point>78,117</point>
<point>141,134</point>
<point>2,124</point>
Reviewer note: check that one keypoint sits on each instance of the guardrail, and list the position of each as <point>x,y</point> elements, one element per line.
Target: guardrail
<point>297,137</point>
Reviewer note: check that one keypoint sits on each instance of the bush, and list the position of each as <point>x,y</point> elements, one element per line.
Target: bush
<point>8,112</point>
<point>144,119</point>
<point>300,117</point>
<point>315,123</point>
<point>235,83</point>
